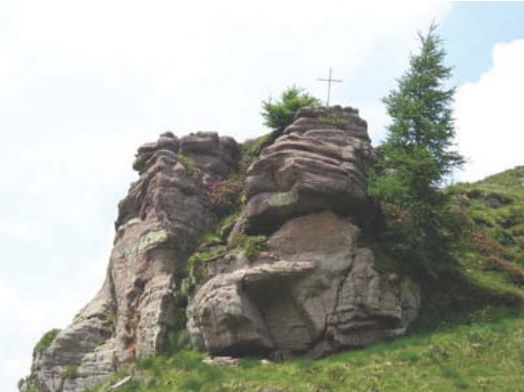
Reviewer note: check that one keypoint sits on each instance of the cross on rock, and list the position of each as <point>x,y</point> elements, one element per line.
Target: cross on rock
<point>329,80</point>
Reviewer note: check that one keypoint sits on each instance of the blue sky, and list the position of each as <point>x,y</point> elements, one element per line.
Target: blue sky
<point>471,30</point>
<point>85,83</point>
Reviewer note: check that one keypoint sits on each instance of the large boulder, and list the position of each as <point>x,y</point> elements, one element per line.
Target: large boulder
<point>318,163</point>
<point>159,223</point>
<point>319,292</point>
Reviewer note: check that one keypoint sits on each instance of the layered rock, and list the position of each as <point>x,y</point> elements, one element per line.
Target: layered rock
<point>159,222</point>
<point>315,290</point>
<point>318,163</point>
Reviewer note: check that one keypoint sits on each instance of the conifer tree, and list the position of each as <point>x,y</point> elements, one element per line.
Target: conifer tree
<point>417,155</point>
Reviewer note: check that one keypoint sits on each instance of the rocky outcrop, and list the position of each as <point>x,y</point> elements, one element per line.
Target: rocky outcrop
<point>318,163</point>
<point>159,223</point>
<point>319,292</point>
<point>315,290</point>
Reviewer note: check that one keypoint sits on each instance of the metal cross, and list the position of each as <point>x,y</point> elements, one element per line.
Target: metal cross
<point>329,80</point>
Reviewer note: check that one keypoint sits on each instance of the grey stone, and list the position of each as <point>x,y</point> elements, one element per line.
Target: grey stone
<point>159,223</point>
<point>323,294</point>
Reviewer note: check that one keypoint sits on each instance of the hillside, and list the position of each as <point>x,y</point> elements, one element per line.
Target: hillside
<point>271,249</point>
<point>494,252</point>
<point>477,346</point>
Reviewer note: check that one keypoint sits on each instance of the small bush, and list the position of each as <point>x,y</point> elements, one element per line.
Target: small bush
<point>250,245</point>
<point>70,371</point>
<point>45,341</point>
<point>177,340</point>
<point>224,196</point>
<point>250,150</point>
<point>278,115</point>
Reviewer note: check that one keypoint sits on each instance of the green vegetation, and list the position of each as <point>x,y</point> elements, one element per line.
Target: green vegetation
<point>476,351</point>
<point>251,246</point>
<point>70,371</point>
<point>493,248</point>
<point>250,149</point>
<point>416,158</point>
<point>225,196</point>
<point>214,247</point>
<point>468,337</point>
<point>111,317</point>
<point>29,384</point>
<point>187,162</point>
<point>177,341</point>
<point>464,244</point>
<point>278,115</point>
<point>45,341</point>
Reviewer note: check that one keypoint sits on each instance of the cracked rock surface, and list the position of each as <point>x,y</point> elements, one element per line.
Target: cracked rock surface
<point>314,290</point>
<point>159,223</point>
<point>321,293</point>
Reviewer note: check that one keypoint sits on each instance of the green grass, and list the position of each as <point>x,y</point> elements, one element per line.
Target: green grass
<point>495,208</point>
<point>477,351</point>
<point>466,338</point>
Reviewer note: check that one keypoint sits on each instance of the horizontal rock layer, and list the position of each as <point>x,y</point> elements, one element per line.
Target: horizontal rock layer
<point>318,163</point>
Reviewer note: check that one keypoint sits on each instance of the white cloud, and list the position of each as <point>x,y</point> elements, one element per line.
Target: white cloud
<point>489,121</point>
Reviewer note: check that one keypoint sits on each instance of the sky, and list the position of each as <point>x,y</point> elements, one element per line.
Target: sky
<point>84,83</point>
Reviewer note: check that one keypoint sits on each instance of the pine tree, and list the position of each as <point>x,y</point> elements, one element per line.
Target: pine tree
<point>417,155</point>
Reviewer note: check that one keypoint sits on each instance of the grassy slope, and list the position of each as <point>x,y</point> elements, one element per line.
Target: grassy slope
<point>494,253</point>
<point>479,348</point>
<point>479,352</point>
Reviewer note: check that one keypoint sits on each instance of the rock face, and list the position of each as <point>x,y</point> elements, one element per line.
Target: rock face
<point>318,163</point>
<point>319,293</point>
<point>316,290</point>
<point>158,225</point>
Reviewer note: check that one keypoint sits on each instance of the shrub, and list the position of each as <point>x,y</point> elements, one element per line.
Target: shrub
<point>70,371</point>
<point>224,196</point>
<point>45,341</point>
<point>250,245</point>
<point>278,115</point>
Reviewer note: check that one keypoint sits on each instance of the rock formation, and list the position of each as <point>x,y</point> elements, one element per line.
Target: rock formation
<point>315,290</point>
<point>318,164</point>
<point>312,290</point>
<point>159,223</point>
